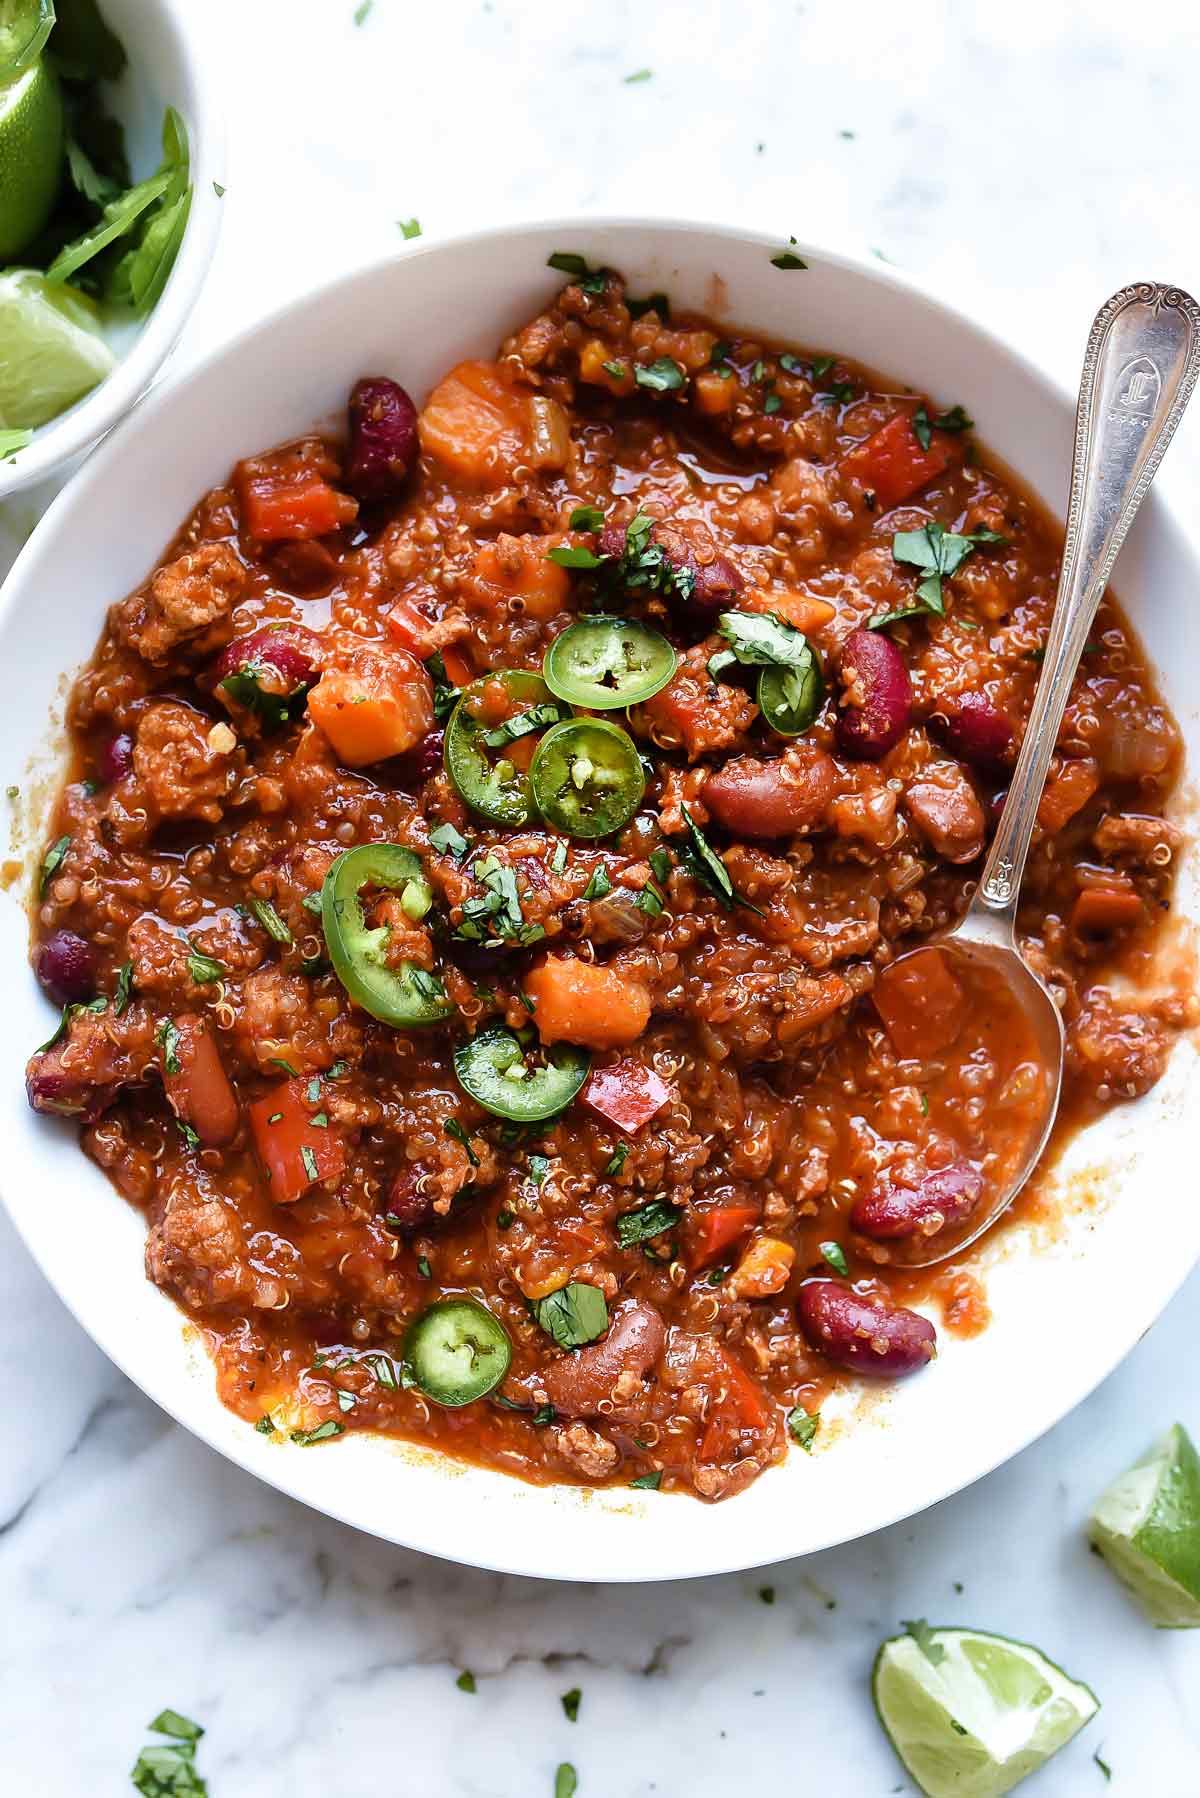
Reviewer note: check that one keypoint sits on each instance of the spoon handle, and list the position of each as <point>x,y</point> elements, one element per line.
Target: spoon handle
<point>1142,361</point>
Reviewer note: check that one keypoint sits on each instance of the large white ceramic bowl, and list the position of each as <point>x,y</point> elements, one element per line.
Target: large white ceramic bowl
<point>170,46</point>
<point>1065,1310</point>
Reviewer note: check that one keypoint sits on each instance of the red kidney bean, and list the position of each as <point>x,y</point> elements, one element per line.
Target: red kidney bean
<point>612,540</point>
<point>408,1205</point>
<point>997,804</point>
<point>974,728</point>
<point>115,758</point>
<point>383,439</point>
<point>580,1381</point>
<point>715,584</point>
<point>65,966</point>
<point>718,584</point>
<point>922,1207</point>
<point>51,1087</point>
<point>292,650</point>
<point>877,702</point>
<point>423,762</point>
<point>771,799</point>
<point>865,1335</point>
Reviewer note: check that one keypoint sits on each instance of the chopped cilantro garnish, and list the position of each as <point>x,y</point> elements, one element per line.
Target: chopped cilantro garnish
<point>448,841</point>
<point>802,1426</point>
<point>322,1433</point>
<point>570,1704</point>
<point>453,1128</point>
<point>271,921</point>
<point>648,1221</point>
<point>205,970</point>
<point>569,262</point>
<point>922,1635</point>
<point>598,885</point>
<point>835,1255</point>
<point>663,376</point>
<point>937,553</point>
<point>167,1037</point>
<point>55,856</point>
<point>124,988</point>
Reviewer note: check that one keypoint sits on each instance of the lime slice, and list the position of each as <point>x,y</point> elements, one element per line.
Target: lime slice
<point>24,27</point>
<point>971,1714</point>
<point>53,351</point>
<point>1147,1527</point>
<point>31,156</point>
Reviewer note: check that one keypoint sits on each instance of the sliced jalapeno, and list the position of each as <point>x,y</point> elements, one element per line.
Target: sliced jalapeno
<point>587,777</point>
<point>790,698</point>
<point>456,1351</point>
<point>604,663</point>
<point>484,775</point>
<point>403,994</point>
<point>522,1082</point>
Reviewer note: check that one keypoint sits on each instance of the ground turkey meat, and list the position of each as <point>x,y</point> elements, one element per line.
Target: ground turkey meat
<point>188,603</point>
<point>184,764</point>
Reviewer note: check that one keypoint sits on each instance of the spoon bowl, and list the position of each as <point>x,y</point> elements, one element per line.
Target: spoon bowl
<point>1139,371</point>
<point>984,961</point>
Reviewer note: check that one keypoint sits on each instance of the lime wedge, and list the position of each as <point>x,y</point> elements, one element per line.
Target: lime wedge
<point>1147,1527</point>
<point>53,351</point>
<point>31,155</point>
<point>971,1714</point>
<point>24,27</point>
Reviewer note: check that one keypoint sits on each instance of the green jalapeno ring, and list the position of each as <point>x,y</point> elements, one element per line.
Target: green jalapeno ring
<point>790,698</point>
<point>404,996</point>
<point>605,663</point>
<point>493,789</point>
<point>457,1351</point>
<point>494,1067</point>
<point>587,777</point>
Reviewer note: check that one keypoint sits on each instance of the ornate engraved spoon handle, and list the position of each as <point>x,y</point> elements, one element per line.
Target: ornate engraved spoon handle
<point>1142,360</point>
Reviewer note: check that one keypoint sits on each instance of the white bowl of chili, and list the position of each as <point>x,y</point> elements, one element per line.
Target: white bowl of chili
<point>1063,1307</point>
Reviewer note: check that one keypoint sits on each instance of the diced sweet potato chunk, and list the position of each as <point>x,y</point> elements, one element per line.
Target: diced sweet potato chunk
<point>476,424</point>
<point>374,703</point>
<point>576,1002</point>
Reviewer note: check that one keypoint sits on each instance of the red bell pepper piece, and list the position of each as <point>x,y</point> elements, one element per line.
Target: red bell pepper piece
<point>295,1150</point>
<point>892,464</point>
<point>743,1411</point>
<point>718,1229</point>
<point>628,1094</point>
<point>278,505</point>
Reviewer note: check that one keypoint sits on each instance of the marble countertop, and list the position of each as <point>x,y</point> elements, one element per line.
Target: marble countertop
<point>1026,160</point>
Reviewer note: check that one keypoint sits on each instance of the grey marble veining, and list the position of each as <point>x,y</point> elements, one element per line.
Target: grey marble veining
<point>1026,160</point>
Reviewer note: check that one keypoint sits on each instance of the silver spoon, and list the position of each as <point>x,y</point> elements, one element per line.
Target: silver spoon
<point>1141,365</point>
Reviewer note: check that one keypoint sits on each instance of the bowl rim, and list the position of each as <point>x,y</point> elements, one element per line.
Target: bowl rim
<point>83,425</point>
<point>241,1447</point>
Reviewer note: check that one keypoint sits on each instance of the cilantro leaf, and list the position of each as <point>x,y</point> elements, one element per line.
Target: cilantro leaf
<point>575,1314</point>
<point>663,376</point>
<point>802,1426</point>
<point>646,1222</point>
<point>936,553</point>
<point>586,518</point>
<point>569,262</point>
<point>922,1635</point>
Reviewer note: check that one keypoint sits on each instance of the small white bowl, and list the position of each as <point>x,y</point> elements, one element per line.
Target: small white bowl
<point>169,64</point>
<point>1064,1311</point>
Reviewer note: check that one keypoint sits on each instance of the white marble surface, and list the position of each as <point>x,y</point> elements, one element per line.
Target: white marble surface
<point>1027,158</point>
